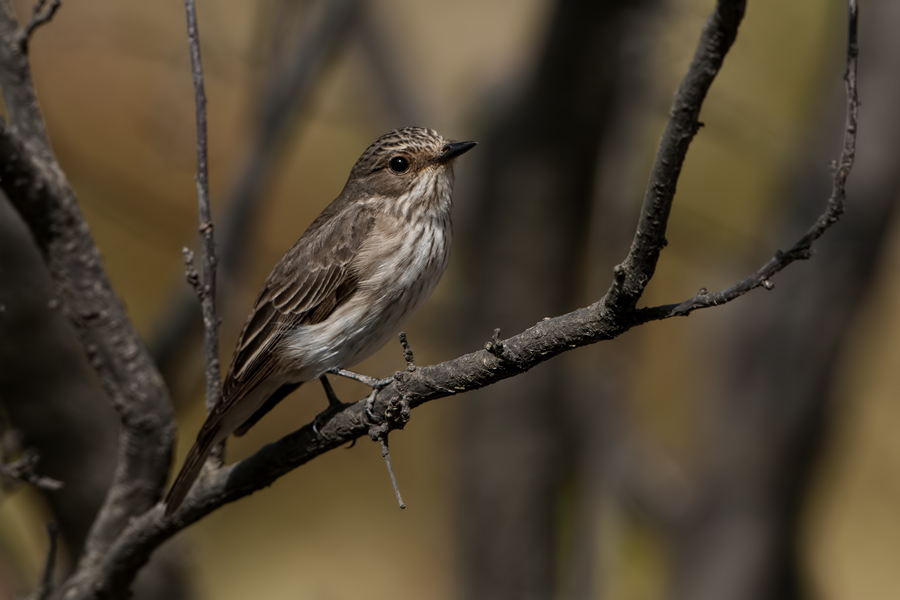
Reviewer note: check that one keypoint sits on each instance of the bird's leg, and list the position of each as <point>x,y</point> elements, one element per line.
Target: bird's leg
<point>364,379</point>
<point>329,391</point>
<point>375,384</point>
<point>334,405</point>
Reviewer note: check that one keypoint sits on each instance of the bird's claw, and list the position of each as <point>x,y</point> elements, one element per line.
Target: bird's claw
<point>376,384</point>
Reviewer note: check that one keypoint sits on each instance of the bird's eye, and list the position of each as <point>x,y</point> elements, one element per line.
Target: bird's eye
<point>399,164</point>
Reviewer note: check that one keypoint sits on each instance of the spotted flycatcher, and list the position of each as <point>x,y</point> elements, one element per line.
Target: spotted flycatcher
<point>344,289</point>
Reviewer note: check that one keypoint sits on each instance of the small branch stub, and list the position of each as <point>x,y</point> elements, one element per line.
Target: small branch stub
<point>407,353</point>
<point>398,411</point>
<point>496,346</point>
<point>190,273</point>
<point>23,470</point>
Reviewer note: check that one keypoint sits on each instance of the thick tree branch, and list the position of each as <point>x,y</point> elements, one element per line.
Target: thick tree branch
<point>36,187</point>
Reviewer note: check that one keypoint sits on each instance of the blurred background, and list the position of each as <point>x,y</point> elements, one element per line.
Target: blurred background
<point>747,452</point>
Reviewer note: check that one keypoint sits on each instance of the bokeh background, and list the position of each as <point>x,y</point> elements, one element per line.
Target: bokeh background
<point>747,452</point>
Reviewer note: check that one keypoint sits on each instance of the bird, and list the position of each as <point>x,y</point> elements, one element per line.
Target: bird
<point>355,276</point>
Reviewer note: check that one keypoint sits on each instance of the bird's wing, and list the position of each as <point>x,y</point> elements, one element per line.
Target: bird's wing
<point>306,286</point>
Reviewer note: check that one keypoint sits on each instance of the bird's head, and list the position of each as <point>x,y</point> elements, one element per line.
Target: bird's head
<point>412,160</point>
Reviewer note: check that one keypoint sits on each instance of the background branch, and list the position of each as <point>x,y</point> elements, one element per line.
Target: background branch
<point>23,470</point>
<point>39,16</point>
<point>36,187</point>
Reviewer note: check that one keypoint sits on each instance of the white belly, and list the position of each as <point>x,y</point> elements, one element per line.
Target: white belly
<point>397,275</point>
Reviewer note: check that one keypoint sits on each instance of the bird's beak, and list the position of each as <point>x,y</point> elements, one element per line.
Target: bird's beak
<point>452,150</point>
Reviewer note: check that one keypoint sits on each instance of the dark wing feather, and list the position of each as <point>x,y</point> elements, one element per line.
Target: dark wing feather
<point>306,286</point>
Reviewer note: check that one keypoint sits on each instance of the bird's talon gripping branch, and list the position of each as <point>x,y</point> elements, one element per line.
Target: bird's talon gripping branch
<point>334,407</point>
<point>370,404</point>
<point>376,384</point>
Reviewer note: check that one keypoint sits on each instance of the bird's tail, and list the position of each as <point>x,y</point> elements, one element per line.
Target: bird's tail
<point>197,456</point>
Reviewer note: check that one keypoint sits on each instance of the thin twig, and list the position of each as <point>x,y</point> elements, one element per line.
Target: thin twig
<point>206,291</point>
<point>23,470</point>
<point>38,18</point>
<point>802,249</point>
<point>286,92</point>
<point>407,352</point>
<point>386,455</point>
<point>50,566</point>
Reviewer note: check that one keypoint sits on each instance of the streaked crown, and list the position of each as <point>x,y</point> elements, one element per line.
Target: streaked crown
<point>395,161</point>
<point>417,145</point>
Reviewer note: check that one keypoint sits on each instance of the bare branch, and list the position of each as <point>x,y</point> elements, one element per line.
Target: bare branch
<point>802,249</point>
<point>632,276</point>
<point>23,470</point>
<point>207,291</point>
<point>39,16</point>
<point>36,187</point>
<point>50,566</point>
<point>386,455</point>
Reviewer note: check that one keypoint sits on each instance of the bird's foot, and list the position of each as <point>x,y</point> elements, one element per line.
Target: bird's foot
<point>372,382</point>
<point>334,406</point>
<point>376,384</point>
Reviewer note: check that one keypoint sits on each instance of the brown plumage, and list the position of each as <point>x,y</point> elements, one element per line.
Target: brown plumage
<point>344,289</point>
